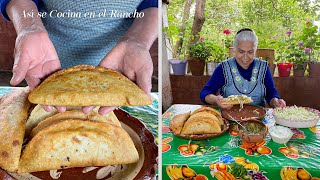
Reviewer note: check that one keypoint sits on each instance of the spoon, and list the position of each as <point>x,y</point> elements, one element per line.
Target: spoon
<point>237,122</point>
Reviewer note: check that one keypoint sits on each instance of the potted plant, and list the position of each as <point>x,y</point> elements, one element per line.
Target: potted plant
<point>298,55</point>
<point>178,63</point>
<point>218,54</point>
<point>311,38</point>
<point>284,67</point>
<point>199,52</point>
<point>314,65</point>
<point>280,53</point>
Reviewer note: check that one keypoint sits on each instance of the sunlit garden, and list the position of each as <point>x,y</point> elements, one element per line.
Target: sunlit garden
<point>204,30</point>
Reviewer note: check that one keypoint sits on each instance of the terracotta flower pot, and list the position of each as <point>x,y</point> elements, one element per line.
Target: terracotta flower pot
<point>299,69</point>
<point>196,67</point>
<point>314,69</point>
<point>284,69</point>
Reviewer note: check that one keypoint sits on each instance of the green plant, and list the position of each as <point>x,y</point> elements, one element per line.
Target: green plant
<point>221,15</point>
<point>311,39</point>
<point>297,52</point>
<point>292,49</point>
<point>171,33</point>
<point>218,54</point>
<point>200,50</point>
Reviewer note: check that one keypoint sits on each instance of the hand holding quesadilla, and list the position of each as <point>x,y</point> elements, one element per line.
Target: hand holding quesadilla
<point>237,99</point>
<point>85,85</point>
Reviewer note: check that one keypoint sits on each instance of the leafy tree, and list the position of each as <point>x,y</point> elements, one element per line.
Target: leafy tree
<point>269,19</point>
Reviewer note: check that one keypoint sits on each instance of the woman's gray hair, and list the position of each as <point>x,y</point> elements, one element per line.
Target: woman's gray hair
<point>246,36</point>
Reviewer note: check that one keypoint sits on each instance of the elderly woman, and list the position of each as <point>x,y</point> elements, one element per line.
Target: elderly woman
<point>242,74</point>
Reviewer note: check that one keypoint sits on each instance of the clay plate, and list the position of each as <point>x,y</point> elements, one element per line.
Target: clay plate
<point>143,169</point>
<point>224,128</point>
<point>249,112</point>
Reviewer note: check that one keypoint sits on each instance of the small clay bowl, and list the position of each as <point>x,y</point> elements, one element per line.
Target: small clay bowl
<point>252,138</point>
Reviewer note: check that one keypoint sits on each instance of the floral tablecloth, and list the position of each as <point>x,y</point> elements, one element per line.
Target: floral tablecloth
<point>227,157</point>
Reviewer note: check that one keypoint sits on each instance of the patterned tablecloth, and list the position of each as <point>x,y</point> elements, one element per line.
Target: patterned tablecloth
<point>227,157</point>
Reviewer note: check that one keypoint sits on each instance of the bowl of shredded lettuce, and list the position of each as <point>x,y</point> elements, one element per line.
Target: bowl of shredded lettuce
<point>298,117</point>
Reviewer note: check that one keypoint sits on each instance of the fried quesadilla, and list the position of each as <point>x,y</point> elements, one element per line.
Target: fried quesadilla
<point>86,85</point>
<point>204,114</point>
<point>178,121</point>
<point>77,143</point>
<point>200,126</point>
<point>204,120</point>
<point>38,114</point>
<point>209,110</point>
<point>14,108</point>
<point>76,114</point>
<point>237,99</point>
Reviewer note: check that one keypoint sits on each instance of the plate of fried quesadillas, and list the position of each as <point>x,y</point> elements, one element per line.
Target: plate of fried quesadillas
<point>203,123</point>
<point>92,137</point>
<point>144,142</point>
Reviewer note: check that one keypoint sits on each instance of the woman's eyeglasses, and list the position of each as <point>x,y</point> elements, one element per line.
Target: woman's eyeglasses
<point>244,29</point>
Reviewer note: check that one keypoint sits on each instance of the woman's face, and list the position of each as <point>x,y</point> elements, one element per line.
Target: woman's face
<point>244,54</point>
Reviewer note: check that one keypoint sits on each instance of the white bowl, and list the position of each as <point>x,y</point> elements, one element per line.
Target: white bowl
<point>298,123</point>
<point>280,134</point>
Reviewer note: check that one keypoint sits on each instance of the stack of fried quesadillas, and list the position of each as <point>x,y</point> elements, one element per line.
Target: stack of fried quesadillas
<point>72,138</point>
<point>14,108</point>
<point>204,120</point>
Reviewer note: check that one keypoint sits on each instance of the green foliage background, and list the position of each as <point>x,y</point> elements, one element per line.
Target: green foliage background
<point>269,19</point>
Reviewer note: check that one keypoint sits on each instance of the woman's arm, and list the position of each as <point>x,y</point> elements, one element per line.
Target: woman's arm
<point>272,95</point>
<point>209,91</point>
<point>131,55</point>
<point>24,16</point>
<point>35,56</point>
<point>144,30</point>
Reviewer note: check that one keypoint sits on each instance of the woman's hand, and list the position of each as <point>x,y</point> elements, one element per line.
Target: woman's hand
<point>132,59</point>
<point>277,103</point>
<point>35,58</point>
<point>131,55</point>
<point>213,99</point>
